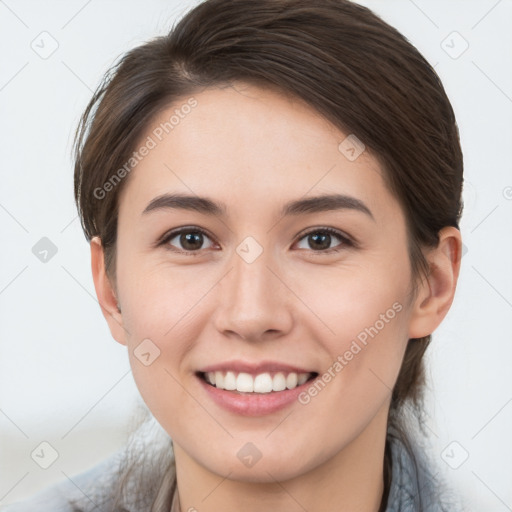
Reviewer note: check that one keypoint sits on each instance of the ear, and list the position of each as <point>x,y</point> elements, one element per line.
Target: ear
<point>436,291</point>
<point>106,293</point>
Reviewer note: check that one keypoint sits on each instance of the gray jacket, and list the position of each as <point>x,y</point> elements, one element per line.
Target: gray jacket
<point>413,488</point>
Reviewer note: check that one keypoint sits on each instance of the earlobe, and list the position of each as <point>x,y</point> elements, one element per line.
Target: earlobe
<point>105,292</point>
<point>437,289</point>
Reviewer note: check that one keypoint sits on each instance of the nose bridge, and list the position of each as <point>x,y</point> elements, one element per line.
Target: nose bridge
<point>250,276</point>
<point>251,300</point>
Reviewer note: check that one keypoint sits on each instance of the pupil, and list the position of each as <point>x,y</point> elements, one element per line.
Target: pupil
<point>324,237</point>
<point>187,240</point>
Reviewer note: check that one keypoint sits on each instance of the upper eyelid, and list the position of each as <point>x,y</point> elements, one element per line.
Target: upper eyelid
<point>332,231</point>
<point>169,235</point>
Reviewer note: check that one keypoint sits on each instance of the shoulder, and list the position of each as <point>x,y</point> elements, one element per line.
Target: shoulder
<point>135,477</point>
<point>82,488</point>
<point>416,483</point>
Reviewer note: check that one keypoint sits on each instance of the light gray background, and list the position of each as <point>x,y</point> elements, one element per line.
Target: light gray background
<point>64,380</point>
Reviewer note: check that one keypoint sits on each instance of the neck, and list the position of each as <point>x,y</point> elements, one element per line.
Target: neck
<point>350,481</point>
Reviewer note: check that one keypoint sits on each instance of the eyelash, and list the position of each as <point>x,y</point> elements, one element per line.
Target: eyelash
<point>345,240</point>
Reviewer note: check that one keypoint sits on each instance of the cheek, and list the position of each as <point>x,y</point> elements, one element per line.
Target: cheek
<point>156,360</point>
<point>369,360</point>
<point>159,300</point>
<point>159,316</point>
<point>162,326</point>
<point>365,355</point>
<point>366,314</point>
<point>355,302</point>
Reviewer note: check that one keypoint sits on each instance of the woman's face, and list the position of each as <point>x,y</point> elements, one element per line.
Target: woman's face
<point>256,286</point>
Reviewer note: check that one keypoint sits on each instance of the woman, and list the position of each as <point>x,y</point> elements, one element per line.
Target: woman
<point>272,193</point>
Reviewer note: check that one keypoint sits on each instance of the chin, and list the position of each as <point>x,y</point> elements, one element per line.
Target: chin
<point>264,470</point>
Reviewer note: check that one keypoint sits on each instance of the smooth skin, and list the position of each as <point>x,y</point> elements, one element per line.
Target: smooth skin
<point>254,149</point>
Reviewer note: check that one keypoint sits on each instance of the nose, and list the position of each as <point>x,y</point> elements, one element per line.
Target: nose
<point>254,303</point>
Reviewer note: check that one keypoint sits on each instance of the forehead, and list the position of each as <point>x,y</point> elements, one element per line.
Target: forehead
<point>251,146</point>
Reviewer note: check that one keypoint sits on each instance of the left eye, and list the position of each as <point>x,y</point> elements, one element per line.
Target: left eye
<point>320,240</point>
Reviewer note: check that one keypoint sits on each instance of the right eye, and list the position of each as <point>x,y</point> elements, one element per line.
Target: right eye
<point>191,240</point>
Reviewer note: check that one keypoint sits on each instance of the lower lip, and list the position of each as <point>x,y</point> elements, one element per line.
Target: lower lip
<point>253,404</point>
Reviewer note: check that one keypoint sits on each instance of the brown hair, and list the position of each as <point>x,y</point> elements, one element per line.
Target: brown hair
<point>344,61</point>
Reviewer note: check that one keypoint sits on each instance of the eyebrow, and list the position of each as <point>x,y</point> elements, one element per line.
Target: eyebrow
<point>204,205</point>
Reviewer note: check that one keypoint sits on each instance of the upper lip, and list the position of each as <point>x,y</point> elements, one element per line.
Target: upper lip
<point>253,368</point>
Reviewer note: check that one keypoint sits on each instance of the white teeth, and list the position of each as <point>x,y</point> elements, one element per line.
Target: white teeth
<point>261,383</point>
<point>291,381</point>
<point>245,383</point>
<point>303,377</point>
<point>279,382</point>
<point>219,379</point>
<point>230,381</point>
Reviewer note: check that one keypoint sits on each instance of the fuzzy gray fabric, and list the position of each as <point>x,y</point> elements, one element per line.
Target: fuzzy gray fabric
<point>414,485</point>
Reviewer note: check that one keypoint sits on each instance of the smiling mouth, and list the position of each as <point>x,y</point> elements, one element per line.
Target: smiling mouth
<point>267,382</point>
